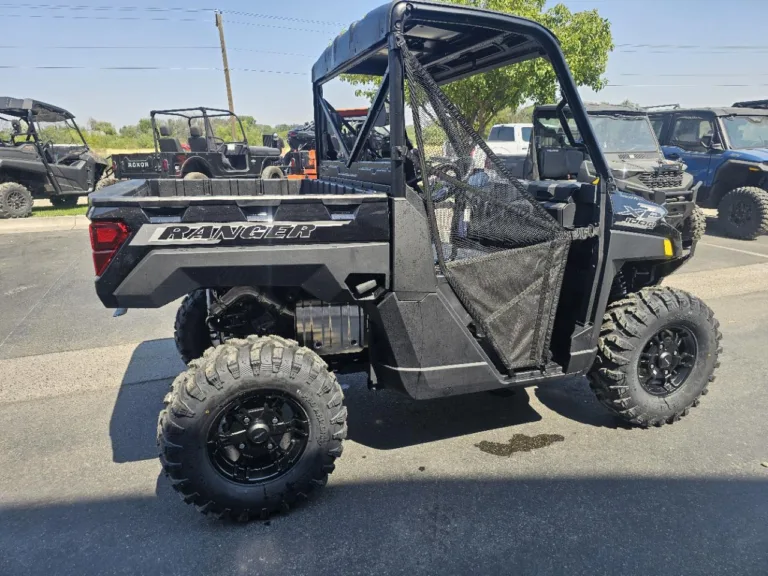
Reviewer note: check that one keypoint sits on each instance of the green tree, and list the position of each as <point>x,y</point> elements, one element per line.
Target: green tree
<point>585,38</point>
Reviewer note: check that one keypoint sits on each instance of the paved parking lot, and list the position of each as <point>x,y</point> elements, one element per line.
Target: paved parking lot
<point>423,488</point>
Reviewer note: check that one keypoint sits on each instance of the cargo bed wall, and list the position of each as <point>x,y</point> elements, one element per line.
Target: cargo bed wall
<point>175,188</point>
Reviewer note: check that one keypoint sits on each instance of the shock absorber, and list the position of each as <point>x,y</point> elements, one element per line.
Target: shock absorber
<point>619,287</point>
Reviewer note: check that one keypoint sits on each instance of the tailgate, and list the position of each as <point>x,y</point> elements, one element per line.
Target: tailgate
<point>136,165</point>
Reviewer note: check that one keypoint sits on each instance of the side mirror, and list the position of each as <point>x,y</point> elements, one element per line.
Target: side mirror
<point>708,143</point>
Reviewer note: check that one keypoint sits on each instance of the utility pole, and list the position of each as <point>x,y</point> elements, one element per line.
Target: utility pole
<point>220,26</point>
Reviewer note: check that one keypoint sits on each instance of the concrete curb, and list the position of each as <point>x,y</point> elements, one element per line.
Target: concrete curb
<point>43,224</point>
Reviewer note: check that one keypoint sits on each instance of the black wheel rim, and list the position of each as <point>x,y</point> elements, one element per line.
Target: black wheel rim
<point>667,360</point>
<point>741,213</point>
<point>258,437</point>
<point>16,200</point>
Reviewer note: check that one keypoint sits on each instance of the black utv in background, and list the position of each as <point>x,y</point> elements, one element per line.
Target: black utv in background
<point>198,153</point>
<point>36,163</point>
<point>629,145</point>
<point>434,282</point>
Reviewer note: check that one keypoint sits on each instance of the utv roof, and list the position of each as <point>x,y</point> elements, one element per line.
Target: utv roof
<point>724,111</point>
<point>594,108</point>
<point>752,104</point>
<point>188,112</point>
<point>42,112</point>
<point>450,41</point>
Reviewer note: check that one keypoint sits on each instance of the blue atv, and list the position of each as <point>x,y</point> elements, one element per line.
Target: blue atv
<point>726,149</point>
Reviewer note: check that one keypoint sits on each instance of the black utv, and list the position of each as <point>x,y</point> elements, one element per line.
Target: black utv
<point>43,154</point>
<point>202,155</point>
<point>633,154</point>
<point>435,282</point>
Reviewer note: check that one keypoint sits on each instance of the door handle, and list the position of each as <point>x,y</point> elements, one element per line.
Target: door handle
<point>673,156</point>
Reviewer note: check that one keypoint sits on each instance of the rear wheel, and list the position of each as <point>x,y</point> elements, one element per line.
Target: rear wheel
<point>193,335</point>
<point>272,173</point>
<point>743,213</point>
<point>104,182</point>
<point>658,351</point>
<point>195,176</point>
<point>252,428</point>
<point>68,201</point>
<point>15,201</point>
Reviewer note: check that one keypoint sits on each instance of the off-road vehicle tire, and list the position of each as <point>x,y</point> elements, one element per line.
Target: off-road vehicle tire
<point>15,201</point>
<point>104,182</point>
<point>68,201</point>
<point>209,403</point>
<point>195,176</point>
<point>743,213</point>
<point>190,330</point>
<point>630,343</point>
<point>272,173</point>
<point>696,225</point>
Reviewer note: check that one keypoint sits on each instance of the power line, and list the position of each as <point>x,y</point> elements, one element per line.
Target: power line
<point>274,52</point>
<point>686,85</point>
<point>271,17</point>
<point>241,23</point>
<point>112,8</point>
<point>145,68</point>
<point>689,46</point>
<point>90,17</point>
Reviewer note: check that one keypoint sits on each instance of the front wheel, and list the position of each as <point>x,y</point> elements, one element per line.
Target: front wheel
<point>657,354</point>
<point>252,428</point>
<point>695,226</point>
<point>743,213</point>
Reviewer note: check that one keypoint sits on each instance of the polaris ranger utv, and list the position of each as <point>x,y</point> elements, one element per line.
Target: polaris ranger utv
<point>511,284</point>
<point>629,145</point>
<point>43,154</point>
<point>205,154</point>
<point>726,151</point>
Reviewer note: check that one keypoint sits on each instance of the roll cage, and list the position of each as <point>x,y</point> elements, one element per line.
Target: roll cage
<point>451,43</point>
<point>201,112</point>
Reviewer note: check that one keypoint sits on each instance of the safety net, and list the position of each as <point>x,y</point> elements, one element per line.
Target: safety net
<point>501,252</point>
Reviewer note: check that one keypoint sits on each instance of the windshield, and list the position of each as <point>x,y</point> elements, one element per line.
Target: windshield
<point>60,133</point>
<point>623,133</point>
<point>508,134</point>
<point>747,131</point>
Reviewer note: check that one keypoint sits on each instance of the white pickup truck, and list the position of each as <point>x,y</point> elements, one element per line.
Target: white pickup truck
<point>510,139</point>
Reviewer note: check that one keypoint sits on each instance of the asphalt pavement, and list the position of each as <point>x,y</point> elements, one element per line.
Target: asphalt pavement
<point>437,487</point>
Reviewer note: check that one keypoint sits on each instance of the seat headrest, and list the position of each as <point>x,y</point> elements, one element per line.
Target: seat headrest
<point>165,131</point>
<point>195,131</point>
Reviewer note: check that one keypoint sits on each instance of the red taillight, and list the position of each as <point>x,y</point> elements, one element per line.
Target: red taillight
<point>106,239</point>
<point>165,165</point>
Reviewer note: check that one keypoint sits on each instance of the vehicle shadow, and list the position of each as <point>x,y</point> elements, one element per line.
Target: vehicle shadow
<point>384,420</point>
<point>132,426</point>
<point>573,399</point>
<point>387,420</point>
<point>412,525</point>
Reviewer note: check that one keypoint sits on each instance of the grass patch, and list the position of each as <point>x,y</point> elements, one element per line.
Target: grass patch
<point>46,211</point>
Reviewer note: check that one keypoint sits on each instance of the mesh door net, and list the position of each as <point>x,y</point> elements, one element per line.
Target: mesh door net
<point>501,252</point>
